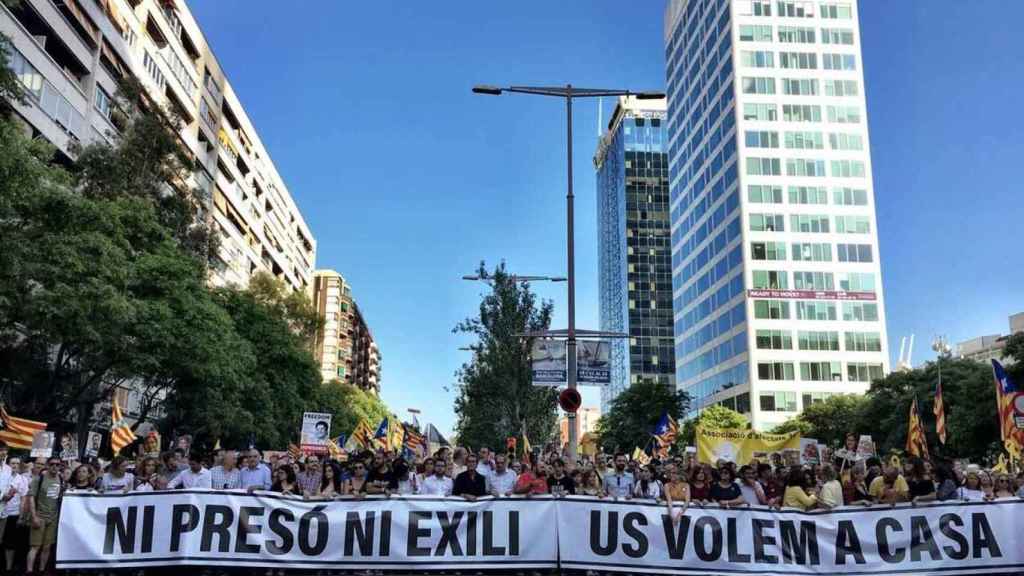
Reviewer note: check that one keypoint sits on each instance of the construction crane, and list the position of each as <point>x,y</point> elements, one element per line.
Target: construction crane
<point>906,352</point>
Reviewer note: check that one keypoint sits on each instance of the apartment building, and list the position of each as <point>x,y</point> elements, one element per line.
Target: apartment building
<point>777,283</point>
<point>70,55</point>
<point>366,357</point>
<point>332,297</point>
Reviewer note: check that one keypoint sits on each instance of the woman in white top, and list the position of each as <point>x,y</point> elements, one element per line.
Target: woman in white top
<point>648,487</point>
<point>971,490</point>
<point>117,478</point>
<point>146,477</point>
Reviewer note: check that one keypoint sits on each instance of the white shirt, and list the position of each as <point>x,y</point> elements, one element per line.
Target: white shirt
<point>123,484</point>
<point>20,484</point>
<point>831,494</point>
<point>501,483</point>
<point>966,493</point>
<point>750,493</point>
<point>434,486</point>
<point>407,486</point>
<point>653,490</point>
<point>484,469</point>
<point>189,479</point>
<point>6,477</point>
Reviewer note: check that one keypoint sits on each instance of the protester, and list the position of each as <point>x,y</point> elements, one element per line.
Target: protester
<point>946,483</point>
<point>146,477</point>
<point>502,481</point>
<point>590,483</point>
<point>458,462</point>
<point>700,485</point>
<point>971,490</point>
<point>357,484</point>
<point>602,467</point>
<point>330,483</point>
<point>255,475</point>
<point>195,476</point>
<point>532,482</point>
<point>831,494</point>
<point>855,490</point>
<point>920,484</point>
<point>517,467</point>
<point>403,482</point>
<point>753,493</point>
<point>559,483</point>
<point>174,464</point>
<point>846,458</point>
<point>485,464</point>
<point>1003,488</point>
<point>470,484</point>
<point>677,491</point>
<point>83,479</point>
<point>44,496</point>
<point>285,481</point>
<point>437,484</point>
<point>890,487</point>
<point>16,533</point>
<point>987,486</point>
<point>796,495</point>
<point>309,480</point>
<point>874,466</point>
<point>117,478</point>
<point>619,483</point>
<point>725,492</point>
<point>226,476</point>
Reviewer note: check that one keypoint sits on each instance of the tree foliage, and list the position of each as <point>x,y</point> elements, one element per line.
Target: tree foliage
<point>713,418</point>
<point>828,421</point>
<point>635,412</point>
<point>348,405</point>
<point>496,396</point>
<point>294,306</point>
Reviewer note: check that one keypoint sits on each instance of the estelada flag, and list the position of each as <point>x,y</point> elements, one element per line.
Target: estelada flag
<point>362,437</point>
<point>917,444</point>
<point>1010,406</point>
<point>666,430</point>
<point>121,433</point>
<point>940,414</point>
<point>414,441</point>
<point>18,432</point>
<point>381,437</point>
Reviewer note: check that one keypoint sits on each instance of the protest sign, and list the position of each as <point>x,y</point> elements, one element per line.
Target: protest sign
<point>42,444</point>
<point>637,537</point>
<point>593,362</point>
<point>68,447</point>
<point>316,432</point>
<point>268,530</point>
<point>92,447</point>
<point>865,447</point>
<point>548,362</point>
<point>809,452</point>
<point>741,445</point>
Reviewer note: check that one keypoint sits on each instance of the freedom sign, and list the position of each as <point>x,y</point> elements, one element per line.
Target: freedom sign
<point>220,528</point>
<point>199,527</point>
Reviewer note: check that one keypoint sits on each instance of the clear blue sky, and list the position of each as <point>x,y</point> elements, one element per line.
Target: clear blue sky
<point>408,180</point>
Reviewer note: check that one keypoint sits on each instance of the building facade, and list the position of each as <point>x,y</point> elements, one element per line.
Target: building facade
<point>332,297</point>
<point>634,255</point>
<point>71,56</point>
<point>987,348</point>
<point>776,279</point>
<point>366,357</point>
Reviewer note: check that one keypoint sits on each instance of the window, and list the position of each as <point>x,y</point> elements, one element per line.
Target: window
<point>815,310</point>
<point>857,282</point>
<point>844,141</point>
<point>853,225</point>
<point>860,312</point>
<point>843,114</point>
<point>775,371</point>
<point>795,87</point>
<point>755,33</point>
<point>768,250</point>
<point>808,195</point>
<point>805,167</point>
<point>812,398</point>
<point>818,341</point>
<point>809,252</point>
<point>838,61</point>
<point>207,114</point>
<point>211,85</point>
<point>764,167</point>
<point>813,281</point>
<point>762,112</point>
<point>796,8</point>
<point>777,401</point>
<point>30,78</point>
<point>770,279</point>
<point>847,169</point>
<point>767,223</point>
<point>774,340</point>
<point>755,8</point>
<point>850,196</point>
<point>841,88</point>
<point>842,36</point>
<point>863,342</point>
<point>801,113</point>
<point>762,139</point>
<point>103,102</point>
<point>853,252</point>
<point>796,35</point>
<point>798,60</point>
<point>863,372</point>
<point>810,223</point>
<point>821,371</point>
<point>804,140</point>
<point>837,11</point>
<point>771,309</point>
<point>757,59</point>
<point>758,85</point>
<point>761,194</point>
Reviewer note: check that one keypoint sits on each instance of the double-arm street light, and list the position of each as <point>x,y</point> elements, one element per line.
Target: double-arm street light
<point>569,93</point>
<point>484,277</point>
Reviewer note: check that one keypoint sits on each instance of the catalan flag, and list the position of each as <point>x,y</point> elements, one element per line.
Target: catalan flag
<point>396,435</point>
<point>18,432</point>
<point>665,433</point>
<point>335,447</point>
<point>121,433</point>
<point>361,437</point>
<point>917,444</point>
<point>414,441</point>
<point>940,413</point>
<point>1009,401</point>
<point>382,436</point>
<point>641,456</point>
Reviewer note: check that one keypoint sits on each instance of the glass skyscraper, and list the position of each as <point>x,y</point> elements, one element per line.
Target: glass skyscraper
<point>777,287</point>
<point>634,259</point>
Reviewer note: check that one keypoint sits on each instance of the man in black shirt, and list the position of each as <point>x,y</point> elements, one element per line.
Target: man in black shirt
<point>559,478</point>
<point>469,484</point>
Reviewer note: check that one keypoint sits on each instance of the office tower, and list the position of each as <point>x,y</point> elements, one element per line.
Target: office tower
<point>71,56</point>
<point>344,347</point>
<point>635,267</point>
<point>776,279</point>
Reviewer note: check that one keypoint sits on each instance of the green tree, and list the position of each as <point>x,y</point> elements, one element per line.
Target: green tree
<point>292,305</point>
<point>635,412</point>
<point>830,420</point>
<point>496,397</point>
<point>712,418</point>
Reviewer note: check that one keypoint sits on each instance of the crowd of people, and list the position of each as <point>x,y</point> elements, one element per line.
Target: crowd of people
<point>31,491</point>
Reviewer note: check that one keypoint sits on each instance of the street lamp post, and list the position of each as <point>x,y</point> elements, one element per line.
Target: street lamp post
<point>569,93</point>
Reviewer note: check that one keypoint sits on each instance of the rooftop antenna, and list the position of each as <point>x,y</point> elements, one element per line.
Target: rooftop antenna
<point>600,112</point>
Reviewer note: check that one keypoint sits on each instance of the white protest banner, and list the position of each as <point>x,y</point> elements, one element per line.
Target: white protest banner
<point>315,432</point>
<point>548,362</point>
<point>593,362</point>
<point>639,537</point>
<point>200,527</point>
